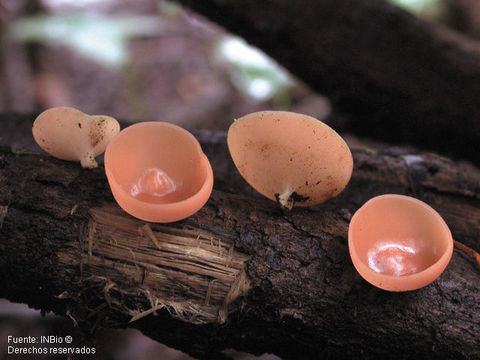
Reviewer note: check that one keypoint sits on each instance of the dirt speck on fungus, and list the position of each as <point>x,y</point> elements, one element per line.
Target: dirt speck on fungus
<point>97,132</point>
<point>298,198</point>
<point>95,137</point>
<point>292,199</point>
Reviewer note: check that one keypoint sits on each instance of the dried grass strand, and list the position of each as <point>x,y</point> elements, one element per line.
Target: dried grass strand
<point>195,275</point>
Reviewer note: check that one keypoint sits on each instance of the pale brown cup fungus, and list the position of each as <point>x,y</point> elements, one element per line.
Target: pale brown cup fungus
<point>69,134</point>
<point>157,172</point>
<point>399,243</point>
<point>290,158</point>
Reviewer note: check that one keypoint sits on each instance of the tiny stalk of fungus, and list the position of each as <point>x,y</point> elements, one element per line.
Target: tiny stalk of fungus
<point>69,134</point>
<point>290,158</point>
<point>285,198</point>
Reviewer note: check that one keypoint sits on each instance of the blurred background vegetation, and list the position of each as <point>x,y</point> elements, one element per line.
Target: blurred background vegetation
<point>148,60</point>
<point>151,59</point>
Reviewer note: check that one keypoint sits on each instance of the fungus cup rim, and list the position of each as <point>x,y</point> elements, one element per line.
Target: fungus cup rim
<point>405,282</point>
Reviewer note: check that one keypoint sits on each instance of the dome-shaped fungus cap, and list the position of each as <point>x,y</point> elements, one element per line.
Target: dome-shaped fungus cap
<point>399,243</point>
<point>157,172</point>
<point>291,158</point>
<point>69,134</point>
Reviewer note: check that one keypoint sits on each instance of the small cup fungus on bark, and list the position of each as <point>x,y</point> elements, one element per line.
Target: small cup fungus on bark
<point>290,158</point>
<point>69,134</point>
<point>158,172</point>
<point>399,243</point>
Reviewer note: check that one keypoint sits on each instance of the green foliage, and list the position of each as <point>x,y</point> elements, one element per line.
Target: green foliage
<point>254,73</point>
<point>428,9</point>
<point>102,38</point>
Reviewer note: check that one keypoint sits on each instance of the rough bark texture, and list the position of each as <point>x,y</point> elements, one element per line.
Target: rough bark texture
<point>398,78</point>
<point>66,247</point>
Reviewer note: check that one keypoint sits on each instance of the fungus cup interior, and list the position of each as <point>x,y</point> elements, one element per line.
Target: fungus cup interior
<point>158,172</point>
<point>399,243</point>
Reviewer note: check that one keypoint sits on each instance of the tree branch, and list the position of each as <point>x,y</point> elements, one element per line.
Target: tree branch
<point>241,273</point>
<point>398,79</point>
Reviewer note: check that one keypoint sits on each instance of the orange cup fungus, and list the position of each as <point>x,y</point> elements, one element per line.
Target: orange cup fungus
<point>290,158</point>
<point>69,134</point>
<point>157,172</point>
<point>399,243</point>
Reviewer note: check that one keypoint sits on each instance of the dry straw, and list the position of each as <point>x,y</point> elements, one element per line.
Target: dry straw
<point>195,275</point>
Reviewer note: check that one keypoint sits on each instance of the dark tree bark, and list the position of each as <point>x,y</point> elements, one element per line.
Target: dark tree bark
<point>241,273</point>
<point>464,16</point>
<point>397,78</point>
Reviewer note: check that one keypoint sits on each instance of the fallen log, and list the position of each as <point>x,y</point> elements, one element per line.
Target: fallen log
<point>241,273</point>
<point>395,77</point>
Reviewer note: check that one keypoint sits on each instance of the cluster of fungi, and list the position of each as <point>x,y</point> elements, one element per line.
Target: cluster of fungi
<point>157,172</point>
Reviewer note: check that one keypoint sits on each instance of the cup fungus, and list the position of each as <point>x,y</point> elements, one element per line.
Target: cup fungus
<point>399,243</point>
<point>157,172</point>
<point>290,158</point>
<point>69,134</point>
